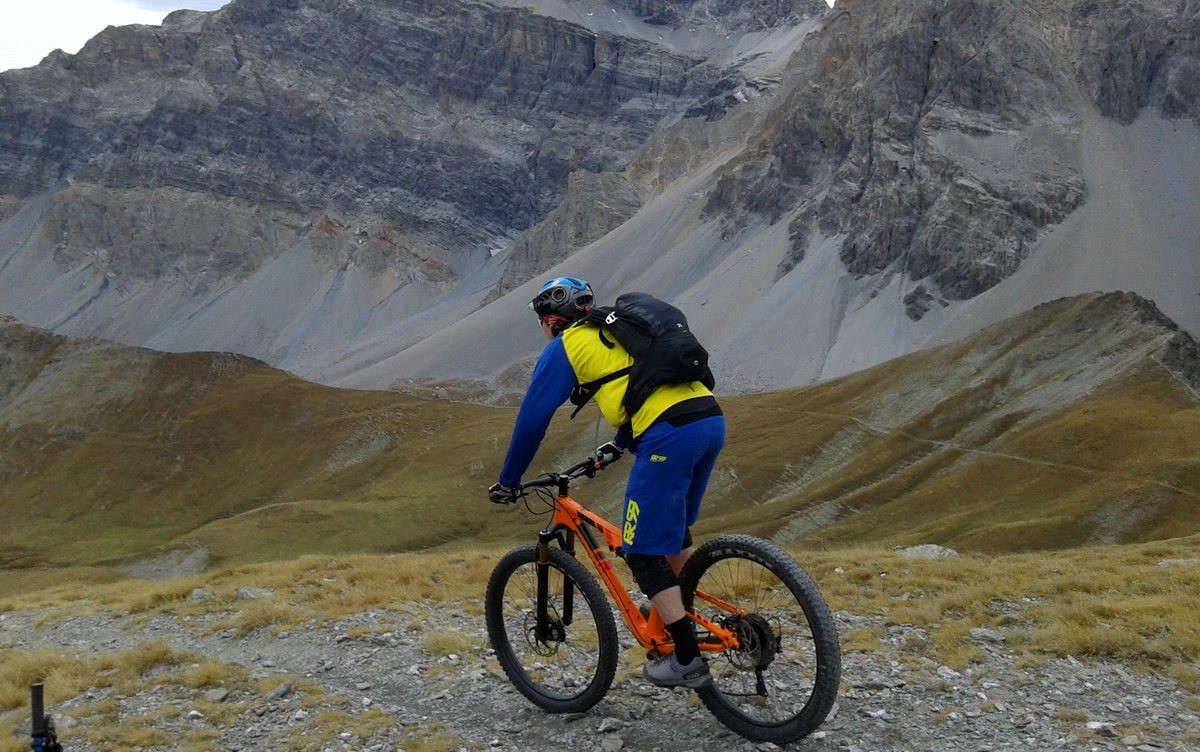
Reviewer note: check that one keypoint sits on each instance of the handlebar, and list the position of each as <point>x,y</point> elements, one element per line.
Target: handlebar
<point>562,479</point>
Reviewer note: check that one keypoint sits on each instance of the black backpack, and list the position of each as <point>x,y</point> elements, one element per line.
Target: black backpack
<point>657,336</point>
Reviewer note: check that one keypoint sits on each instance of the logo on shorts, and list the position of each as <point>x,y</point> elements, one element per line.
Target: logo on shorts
<point>631,518</point>
<point>657,458</point>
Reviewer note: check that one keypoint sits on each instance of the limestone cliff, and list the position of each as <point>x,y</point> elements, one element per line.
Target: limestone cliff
<point>940,139</point>
<point>216,141</point>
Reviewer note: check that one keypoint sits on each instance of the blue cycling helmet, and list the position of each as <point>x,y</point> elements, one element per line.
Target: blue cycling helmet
<point>568,297</point>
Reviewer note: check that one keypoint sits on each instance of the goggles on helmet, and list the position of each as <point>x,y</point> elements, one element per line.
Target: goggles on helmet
<point>568,297</point>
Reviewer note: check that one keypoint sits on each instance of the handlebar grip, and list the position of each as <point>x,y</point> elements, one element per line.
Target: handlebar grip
<point>581,468</point>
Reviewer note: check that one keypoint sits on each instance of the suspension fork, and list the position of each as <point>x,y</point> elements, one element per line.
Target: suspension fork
<point>566,540</point>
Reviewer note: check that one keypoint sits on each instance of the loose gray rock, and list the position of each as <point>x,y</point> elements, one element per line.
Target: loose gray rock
<point>254,594</point>
<point>987,635</point>
<point>217,695</point>
<point>928,551</point>
<point>612,743</point>
<point>280,692</point>
<point>1168,563</point>
<point>200,595</point>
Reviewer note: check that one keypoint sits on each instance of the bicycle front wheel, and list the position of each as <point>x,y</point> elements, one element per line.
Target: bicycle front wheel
<point>566,663</point>
<point>781,682</point>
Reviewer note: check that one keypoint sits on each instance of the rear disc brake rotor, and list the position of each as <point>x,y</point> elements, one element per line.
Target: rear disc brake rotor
<point>757,642</point>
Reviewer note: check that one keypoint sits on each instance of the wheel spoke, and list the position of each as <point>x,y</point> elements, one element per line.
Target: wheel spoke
<point>779,683</point>
<point>561,667</point>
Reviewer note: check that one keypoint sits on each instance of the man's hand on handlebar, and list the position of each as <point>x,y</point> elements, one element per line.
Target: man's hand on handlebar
<point>498,494</point>
<point>608,453</point>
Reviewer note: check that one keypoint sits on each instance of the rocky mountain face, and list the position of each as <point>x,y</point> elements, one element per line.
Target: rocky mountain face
<point>407,135</point>
<point>362,191</point>
<point>935,138</point>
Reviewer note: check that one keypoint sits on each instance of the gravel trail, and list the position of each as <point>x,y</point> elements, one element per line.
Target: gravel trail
<point>891,699</point>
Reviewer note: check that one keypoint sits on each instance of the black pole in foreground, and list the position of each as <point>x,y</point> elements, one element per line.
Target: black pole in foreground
<point>39,710</point>
<point>42,731</point>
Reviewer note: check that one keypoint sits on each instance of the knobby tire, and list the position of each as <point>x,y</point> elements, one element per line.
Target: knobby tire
<point>509,605</point>
<point>792,644</point>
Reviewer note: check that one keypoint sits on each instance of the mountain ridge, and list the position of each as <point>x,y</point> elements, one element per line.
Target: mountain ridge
<point>1072,424</point>
<point>861,184</point>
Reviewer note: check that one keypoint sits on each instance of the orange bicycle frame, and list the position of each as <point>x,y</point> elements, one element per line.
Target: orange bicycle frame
<point>571,521</point>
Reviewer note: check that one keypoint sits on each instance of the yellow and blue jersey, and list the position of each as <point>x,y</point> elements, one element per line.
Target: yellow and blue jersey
<point>575,357</point>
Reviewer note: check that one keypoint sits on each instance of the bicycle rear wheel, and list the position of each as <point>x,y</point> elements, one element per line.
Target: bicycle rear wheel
<point>781,682</point>
<point>567,664</point>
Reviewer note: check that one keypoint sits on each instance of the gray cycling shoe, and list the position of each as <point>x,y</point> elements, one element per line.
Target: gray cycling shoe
<point>666,672</point>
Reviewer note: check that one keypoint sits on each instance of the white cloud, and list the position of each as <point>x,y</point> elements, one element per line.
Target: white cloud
<point>167,6</point>
<point>32,29</point>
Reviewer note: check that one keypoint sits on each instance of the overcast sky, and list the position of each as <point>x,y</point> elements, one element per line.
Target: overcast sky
<point>30,30</point>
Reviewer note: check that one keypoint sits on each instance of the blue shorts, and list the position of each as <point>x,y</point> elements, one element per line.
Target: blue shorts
<point>667,483</point>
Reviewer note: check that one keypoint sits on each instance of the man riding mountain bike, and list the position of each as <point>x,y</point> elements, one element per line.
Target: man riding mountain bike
<point>675,437</point>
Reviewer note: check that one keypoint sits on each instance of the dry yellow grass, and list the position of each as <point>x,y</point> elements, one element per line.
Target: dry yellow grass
<point>201,740</point>
<point>433,741</point>
<point>864,640</point>
<point>310,587</point>
<point>1071,715</point>
<point>125,737</point>
<point>1186,676</point>
<point>207,674</point>
<point>66,675</point>
<point>328,726</point>
<point>146,656</point>
<point>951,646</point>
<point>1109,601</point>
<point>442,644</point>
<point>108,723</point>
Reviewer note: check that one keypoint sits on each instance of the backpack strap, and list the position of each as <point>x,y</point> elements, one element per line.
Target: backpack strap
<point>583,393</point>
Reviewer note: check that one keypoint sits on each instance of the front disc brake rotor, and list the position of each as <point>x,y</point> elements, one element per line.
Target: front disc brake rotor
<point>545,644</point>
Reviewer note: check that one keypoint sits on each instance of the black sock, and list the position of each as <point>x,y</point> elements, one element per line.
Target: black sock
<point>684,635</point>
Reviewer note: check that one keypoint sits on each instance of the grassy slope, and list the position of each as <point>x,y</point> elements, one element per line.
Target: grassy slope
<point>975,465</point>
<point>187,449</point>
<point>958,445</point>
<point>1119,466</point>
